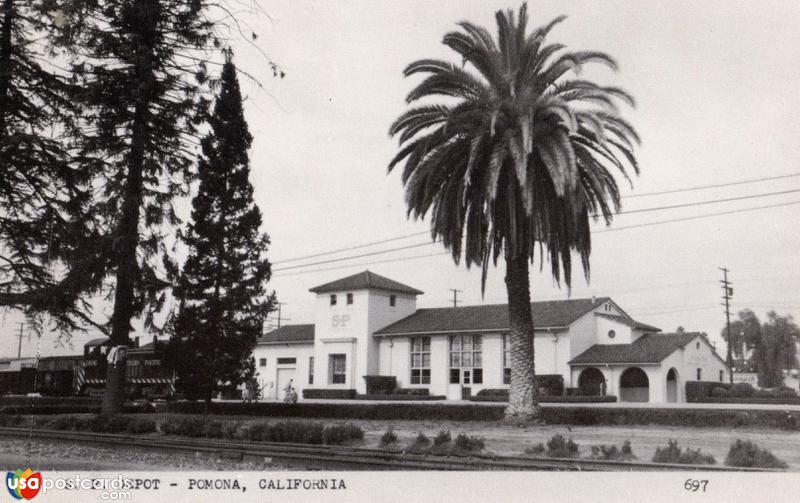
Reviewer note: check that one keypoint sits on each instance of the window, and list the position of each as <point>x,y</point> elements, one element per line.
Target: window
<point>420,360</point>
<point>336,364</point>
<point>466,353</point>
<point>349,298</point>
<point>262,362</point>
<point>611,334</point>
<point>721,375</point>
<point>310,370</point>
<point>287,361</point>
<point>333,300</point>
<point>697,345</point>
<point>506,360</point>
<point>699,374</point>
<point>392,300</point>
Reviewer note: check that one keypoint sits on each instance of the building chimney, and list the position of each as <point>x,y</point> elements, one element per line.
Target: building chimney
<point>155,341</point>
<point>135,342</point>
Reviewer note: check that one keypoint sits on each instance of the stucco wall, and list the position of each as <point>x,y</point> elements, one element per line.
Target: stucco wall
<point>267,376</point>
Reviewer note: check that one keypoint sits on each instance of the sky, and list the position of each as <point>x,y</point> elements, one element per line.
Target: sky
<point>715,85</point>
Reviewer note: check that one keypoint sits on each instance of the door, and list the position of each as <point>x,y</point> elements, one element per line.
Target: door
<point>284,376</point>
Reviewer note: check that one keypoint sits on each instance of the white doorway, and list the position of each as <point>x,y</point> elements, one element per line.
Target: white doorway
<point>285,374</point>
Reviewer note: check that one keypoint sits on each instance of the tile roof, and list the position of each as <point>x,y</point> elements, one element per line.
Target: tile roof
<point>363,281</point>
<point>289,333</point>
<point>650,348</point>
<point>631,322</point>
<point>556,313</point>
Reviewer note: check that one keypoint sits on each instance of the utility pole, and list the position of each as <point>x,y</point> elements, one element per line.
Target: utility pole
<point>727,288</point>
<point>279,313</point>
<point>19,347</point>
<point>455,296</point>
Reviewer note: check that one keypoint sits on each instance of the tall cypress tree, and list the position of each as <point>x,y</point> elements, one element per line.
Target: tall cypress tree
<point>222,289</point>
<point>44,195</point>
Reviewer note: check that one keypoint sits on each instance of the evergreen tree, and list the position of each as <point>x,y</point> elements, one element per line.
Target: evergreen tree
<point>222,287</point>
<point>776,349</point>
<point>45,262</point>
<point>140,64</point>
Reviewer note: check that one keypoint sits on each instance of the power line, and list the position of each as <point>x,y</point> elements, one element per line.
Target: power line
<point>600,231</point>
<point>349,248</point>
<point>714,186</point>
<point>710,201</point>
<point>672,191</point>
<point>400,259</point>
<point>380,252</point>
<point>696,217</point>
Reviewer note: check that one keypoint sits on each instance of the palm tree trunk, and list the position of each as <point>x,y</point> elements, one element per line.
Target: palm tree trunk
<point>522,403</point>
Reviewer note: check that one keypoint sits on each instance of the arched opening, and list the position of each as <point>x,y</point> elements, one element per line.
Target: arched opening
<point>591,381</point>
<point>634,386</point>
<point>672,385</point>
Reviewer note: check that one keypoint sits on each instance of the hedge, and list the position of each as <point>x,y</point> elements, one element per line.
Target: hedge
<point>380,385</point>
<point>333,394</point>
<point>473,412</point>
<point>551,384</point>
<point>548,399</point>
<point>718,392</point>
<point>401,397</point>
<point>24,401</point>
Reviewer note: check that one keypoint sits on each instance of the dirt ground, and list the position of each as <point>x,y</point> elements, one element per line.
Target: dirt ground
<point>510,440</point>
<point>76,457</point>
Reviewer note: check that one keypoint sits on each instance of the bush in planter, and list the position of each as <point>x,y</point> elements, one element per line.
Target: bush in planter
<point>551,384</point>
<point>612,452</point>
<point>380,385</point>
<point>466,444</point>
<point>443,437</point>
<point>674,454</point>
<point>388,438</point>
<point>747,454</point>
<point>536,450</point>
<point>559,447</point>
<point>421,443</point>
<point>742,390</point>
<point>720,392</point>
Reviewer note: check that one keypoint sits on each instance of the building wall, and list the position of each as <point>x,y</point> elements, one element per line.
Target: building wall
<point>623,332</point>
<point>268,375</point>
<point>347,329</point>
<point>702,357</point>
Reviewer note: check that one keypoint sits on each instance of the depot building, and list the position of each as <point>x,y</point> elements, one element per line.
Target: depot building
<point>368,325</point>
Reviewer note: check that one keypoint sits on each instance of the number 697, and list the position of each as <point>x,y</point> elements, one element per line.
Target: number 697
<point>695,485</point>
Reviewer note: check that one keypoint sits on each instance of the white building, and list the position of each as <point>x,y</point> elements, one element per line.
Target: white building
<point>367,324</point>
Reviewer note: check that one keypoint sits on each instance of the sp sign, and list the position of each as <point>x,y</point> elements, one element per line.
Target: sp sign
<point>340,320</point>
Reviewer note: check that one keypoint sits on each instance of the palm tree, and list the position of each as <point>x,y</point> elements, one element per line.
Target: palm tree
<point>521,152</point>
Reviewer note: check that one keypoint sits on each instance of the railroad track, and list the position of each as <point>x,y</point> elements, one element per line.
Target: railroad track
<point>350,458</point>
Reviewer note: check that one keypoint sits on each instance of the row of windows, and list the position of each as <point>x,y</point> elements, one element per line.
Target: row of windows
<point>349,299</point>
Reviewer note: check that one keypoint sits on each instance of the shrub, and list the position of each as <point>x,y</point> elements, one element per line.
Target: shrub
<point>412,391</point>
<point>388,438</point>
<point>674,454</point>
<point>62,423</point>
<point>536,450</point>
<point>380,385</point>
<point>746,453</point>
<point>559,447</point>
<point>720,392</point>
<point>464,443</point>
<point>11,420</point>
<point>763,393</point>
<point>441,438</point>
<point>139,425</point>
<point>117,424</point>
<point>612,452</point>
<point>333,394</point>
<point>784,392</point>
<point>421,443</point>
<point>341,433</point>
<point>742,390</point>
<point>551,384</point>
